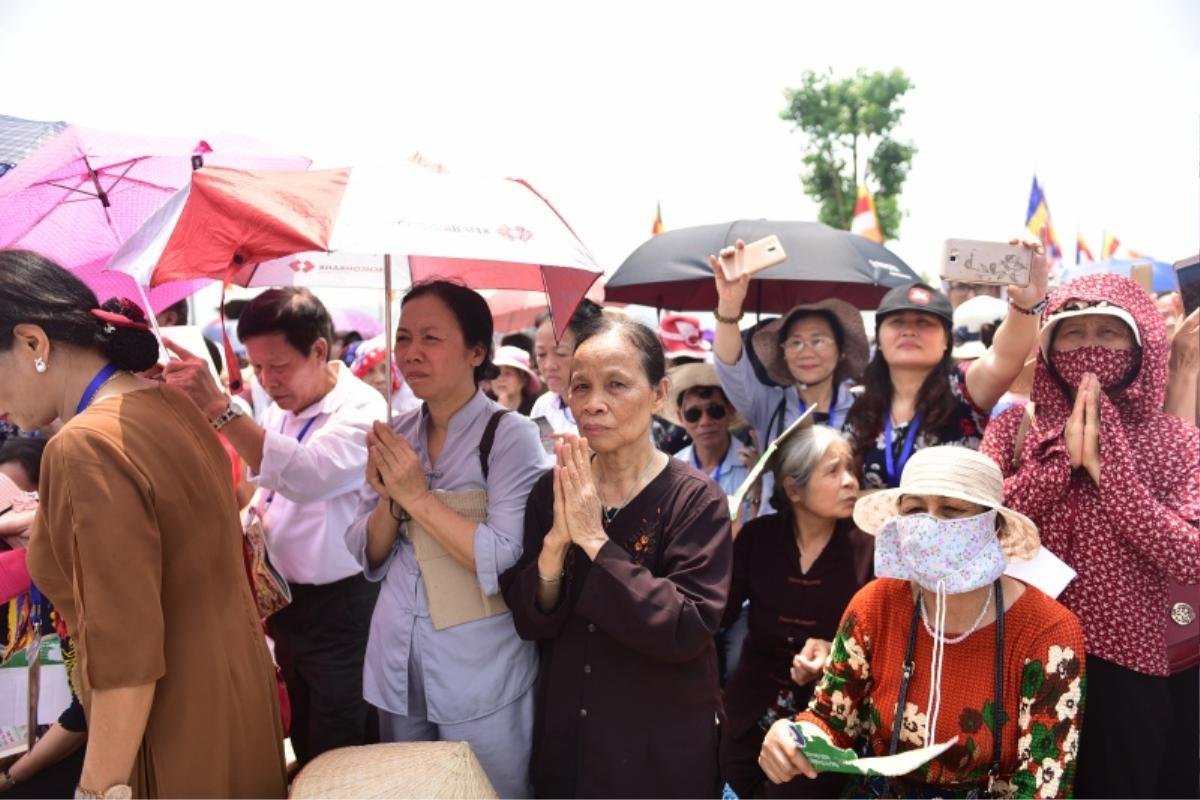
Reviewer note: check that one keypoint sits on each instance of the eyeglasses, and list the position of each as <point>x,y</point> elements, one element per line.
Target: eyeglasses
<point>818,344</point>
<point>715,411</point>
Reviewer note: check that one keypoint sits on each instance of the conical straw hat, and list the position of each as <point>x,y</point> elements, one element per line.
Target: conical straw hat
<point>395,770</point>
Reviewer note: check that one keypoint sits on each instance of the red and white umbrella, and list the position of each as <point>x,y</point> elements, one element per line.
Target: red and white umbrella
<point>363,227</point>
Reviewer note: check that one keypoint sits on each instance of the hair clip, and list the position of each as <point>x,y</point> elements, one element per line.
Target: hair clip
<point>112,321</point>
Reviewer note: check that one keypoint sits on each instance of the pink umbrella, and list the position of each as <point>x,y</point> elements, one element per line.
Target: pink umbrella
<point>75,195</point>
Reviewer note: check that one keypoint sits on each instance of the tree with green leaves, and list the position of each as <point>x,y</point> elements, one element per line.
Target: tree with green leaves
<point>849,126</point>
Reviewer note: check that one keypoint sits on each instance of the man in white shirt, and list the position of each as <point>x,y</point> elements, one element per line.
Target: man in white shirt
<point>309,459</point>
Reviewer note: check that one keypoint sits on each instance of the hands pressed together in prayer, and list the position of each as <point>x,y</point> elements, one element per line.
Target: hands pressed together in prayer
<point>577,507</point>
<point>394,469</point>
<point>1082,431</point>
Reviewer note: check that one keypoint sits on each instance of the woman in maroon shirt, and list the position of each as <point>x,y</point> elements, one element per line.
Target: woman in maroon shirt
<point>622,582</point>
<point>799,568</point>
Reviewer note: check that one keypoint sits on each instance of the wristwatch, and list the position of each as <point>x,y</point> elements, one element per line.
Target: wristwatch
<point>1034,310</point>
<point>231,411</point>
<point>122,791</point>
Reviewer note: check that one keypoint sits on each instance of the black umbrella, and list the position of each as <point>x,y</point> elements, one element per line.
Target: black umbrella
<point>671,270</point>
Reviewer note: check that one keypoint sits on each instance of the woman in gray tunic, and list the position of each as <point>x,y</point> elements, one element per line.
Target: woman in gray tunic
<point>441,519</point>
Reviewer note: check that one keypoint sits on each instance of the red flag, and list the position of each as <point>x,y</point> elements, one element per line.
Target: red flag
<point>657,228</point>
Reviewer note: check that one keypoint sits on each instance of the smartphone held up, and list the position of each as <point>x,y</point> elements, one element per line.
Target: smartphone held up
<point>756,256</point>
<point>992,263</point>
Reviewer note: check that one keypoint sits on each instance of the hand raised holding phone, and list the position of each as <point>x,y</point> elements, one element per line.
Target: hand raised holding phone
<point>733,266</point>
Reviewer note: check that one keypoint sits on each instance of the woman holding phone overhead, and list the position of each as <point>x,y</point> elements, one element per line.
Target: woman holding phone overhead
<point>814,355</point>
<point>914,396</point>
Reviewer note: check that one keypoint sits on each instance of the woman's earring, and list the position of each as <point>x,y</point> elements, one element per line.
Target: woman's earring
<point>39,364</point>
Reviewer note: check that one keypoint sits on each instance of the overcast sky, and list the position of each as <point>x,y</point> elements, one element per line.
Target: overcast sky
<point>609,107</point>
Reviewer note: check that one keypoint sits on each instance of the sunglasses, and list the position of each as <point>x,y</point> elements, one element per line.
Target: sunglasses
<point>715,411</point>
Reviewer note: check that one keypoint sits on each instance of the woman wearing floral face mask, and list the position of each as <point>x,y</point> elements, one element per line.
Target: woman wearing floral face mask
<point>1113,483</point>
<point>928,637</point>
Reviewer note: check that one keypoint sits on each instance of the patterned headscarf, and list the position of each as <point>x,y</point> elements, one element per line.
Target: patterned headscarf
<point>1127,536</point>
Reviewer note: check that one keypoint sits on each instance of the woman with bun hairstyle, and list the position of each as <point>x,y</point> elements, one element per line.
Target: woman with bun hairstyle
<point>137,543</point>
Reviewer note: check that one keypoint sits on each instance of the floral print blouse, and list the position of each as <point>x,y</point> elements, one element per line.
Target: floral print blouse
<point>1043,684</point>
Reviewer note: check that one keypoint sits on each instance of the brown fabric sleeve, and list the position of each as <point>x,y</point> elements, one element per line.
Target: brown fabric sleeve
<point>107,537</point>
<point>519,583</point>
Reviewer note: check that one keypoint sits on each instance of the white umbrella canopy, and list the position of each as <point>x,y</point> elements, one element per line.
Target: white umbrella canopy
<point>483,232</point>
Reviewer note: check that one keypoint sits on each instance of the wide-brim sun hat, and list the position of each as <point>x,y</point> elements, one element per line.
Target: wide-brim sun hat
<point>854,346</point>
<point>689,376</point>
<point>969,319</point>
<point>960,473</point>
<point>512,356</point>
<point>1046,334</point>
<point>395,769</point>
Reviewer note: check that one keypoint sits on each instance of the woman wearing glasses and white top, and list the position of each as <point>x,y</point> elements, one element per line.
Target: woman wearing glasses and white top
<point>813,355</point>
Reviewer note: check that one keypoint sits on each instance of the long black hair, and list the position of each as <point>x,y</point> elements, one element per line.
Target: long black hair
<point>936,402</point>
<point>36,291</point>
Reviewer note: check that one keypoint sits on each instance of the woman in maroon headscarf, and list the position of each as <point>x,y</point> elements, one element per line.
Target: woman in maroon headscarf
<point>1113,484</point>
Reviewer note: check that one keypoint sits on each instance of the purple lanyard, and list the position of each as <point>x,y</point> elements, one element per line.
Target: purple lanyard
<point>893,471</point>
<point>832,421</point>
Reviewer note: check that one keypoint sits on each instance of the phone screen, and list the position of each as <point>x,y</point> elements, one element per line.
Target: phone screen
<point>546,432</point>
<point>1188,275</point>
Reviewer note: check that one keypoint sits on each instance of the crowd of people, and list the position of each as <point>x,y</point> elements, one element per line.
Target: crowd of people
<point>555,547</point>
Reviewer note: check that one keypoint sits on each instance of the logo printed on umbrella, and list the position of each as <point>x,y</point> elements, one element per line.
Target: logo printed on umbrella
<point>513,234</point>
<point>919,296</point>
<point>302,266</point>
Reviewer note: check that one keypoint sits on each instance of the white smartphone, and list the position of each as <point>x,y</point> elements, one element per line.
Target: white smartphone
<point>759,255</point>
<point>995,263</point>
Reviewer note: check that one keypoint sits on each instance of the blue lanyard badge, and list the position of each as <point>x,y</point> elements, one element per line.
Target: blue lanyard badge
<point>833,401</point>
<point>719,471</point>
<point>90,392</point>
<point>892,470</point>
<point>299,438</point>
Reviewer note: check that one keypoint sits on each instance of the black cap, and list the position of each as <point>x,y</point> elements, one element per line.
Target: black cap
<point>916,297</point>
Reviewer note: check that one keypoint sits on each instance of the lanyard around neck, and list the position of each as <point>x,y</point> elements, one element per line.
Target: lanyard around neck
<point>893,469</point>
<point>997,676</point>
<point>89,394</point>
<point>833,401</point>
<point>562,404</point>
<point>299,438</point>
<point>720,470</point>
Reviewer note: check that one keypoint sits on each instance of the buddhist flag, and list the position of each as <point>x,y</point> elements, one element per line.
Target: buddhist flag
<point>657,228</point>
<point>865,222</point>
<point>1109,248</point>
<point>1039,215</point>
<point>1081,249</point>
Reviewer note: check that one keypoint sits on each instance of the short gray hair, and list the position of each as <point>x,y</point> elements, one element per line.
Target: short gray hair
<point>799,457</point>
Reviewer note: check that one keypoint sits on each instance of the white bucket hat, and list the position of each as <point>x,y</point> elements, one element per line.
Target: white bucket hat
<point>1076,308</point>
<point>969,319</point>
<point>958,472</point>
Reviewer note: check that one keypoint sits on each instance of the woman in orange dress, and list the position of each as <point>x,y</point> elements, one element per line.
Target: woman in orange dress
<point>137,543</point>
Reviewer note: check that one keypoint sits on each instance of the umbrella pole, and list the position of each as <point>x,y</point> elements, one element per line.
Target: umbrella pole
<point>388,337</point>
